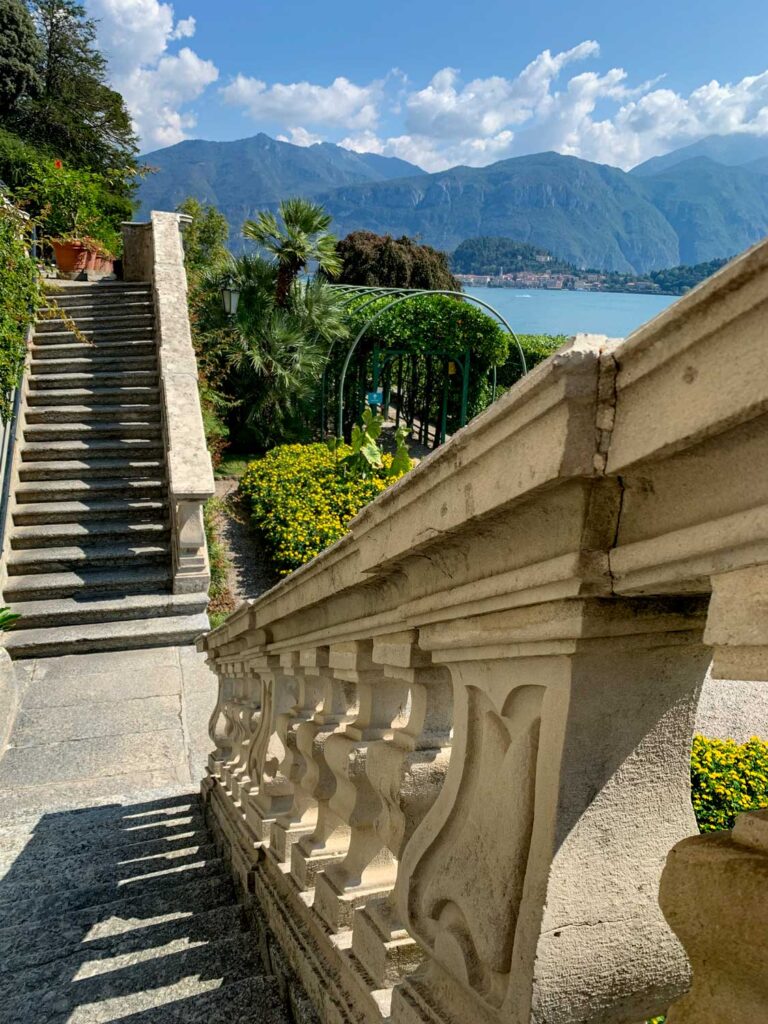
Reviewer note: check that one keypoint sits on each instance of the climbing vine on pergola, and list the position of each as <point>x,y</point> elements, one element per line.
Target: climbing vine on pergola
<point>428,357</point>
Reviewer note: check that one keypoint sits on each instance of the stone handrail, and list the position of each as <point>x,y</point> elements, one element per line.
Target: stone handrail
<point>154,252</point>
<point>452,752</point>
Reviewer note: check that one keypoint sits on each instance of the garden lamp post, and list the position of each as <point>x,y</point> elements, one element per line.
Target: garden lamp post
<point>230,296</point>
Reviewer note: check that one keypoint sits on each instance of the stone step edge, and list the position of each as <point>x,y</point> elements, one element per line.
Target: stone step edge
<point>169,631</point>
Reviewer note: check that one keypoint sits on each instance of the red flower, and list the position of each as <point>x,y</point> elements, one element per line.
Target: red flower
<point>58,164</point>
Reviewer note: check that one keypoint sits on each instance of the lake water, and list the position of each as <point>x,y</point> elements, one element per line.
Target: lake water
<point>537,311</point>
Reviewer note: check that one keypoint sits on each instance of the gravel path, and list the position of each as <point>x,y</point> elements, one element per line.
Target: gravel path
<point>250,574</point>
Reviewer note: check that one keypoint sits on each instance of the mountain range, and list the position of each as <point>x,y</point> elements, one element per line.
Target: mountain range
<point>698,203</point>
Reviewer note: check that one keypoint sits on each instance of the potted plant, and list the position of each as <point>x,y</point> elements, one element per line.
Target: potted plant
<point>71,208</point>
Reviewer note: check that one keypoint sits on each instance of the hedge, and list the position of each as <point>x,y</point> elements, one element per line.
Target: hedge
<point>726,779</point>
<point>300,502</point>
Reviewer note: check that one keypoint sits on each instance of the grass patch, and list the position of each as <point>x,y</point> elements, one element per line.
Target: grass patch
<point>234,465</point>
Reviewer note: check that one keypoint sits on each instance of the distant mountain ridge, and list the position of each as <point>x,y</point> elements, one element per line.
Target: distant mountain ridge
<point>684,208</point>
<point>246,175</point>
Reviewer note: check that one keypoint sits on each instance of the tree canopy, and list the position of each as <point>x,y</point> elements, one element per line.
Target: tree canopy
<point>21,55</point>
<point>371,259</point>
<point>74,113</point>
<point>205,238</point>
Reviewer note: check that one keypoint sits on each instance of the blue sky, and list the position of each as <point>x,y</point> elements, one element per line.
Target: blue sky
<point>442,83</point>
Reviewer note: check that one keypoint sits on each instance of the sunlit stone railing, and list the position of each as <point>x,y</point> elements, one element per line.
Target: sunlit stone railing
<point>452,753</point>
<point>153,252</point>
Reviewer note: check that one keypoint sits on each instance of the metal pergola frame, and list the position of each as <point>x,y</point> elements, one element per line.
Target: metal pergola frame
<point>398,295</point>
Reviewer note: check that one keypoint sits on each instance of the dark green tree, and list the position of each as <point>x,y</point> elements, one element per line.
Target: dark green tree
<point>205,238</point>
<point>21,55</point>
<point>370,259</point>
<point>75,114</point>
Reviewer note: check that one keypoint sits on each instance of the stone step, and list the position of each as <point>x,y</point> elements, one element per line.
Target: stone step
<point>89,414</point>
<point>36,909</point>
<point>64,940</point>
<point>87,305</point>
<point>255,1000</point>
<point>86,583</point>
<point>95,364</point>
<point>122,430</point>
<point>70,611</point>
<point>91,320</point>
<point>110,820</point>
<point>35,561</point>
<point>118,635</point>
<point>89,510</point>
<point>38,491</point>
<point>95,334</point>
<point>99,379</point>
<point>80,849</point>
<point>77,873</point>
<point>128,348</point>
<point>133,985</point>
<point>130,447</point>
<point>127,395</point>
<point>73,469</point>
<point>46,535</point>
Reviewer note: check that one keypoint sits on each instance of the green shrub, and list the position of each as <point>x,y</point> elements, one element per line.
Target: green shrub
<point>72,204</point>
<point>726,779</point>
<point>19,295</point>
<point>301,501</point>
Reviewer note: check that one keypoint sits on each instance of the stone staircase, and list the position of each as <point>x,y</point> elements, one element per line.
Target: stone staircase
<point>89,566</point>
<point>126,913</point>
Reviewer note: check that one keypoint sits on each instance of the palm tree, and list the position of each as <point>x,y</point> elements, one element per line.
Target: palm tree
<point>303,238</point>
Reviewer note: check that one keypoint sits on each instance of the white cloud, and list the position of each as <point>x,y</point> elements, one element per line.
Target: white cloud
<point>300,137</point>
<point>158,86</point>
<point>185,29</point>
<point>595,115</point>
<point>340,104</point>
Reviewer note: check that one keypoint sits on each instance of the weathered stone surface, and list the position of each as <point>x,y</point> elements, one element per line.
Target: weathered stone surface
<point>81,721</point>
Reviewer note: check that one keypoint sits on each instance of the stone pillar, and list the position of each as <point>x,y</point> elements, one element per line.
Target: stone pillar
<point>528,883</point>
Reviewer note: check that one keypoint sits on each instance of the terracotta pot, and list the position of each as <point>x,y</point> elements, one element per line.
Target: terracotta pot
<point>100,264</point>
<point>71,256</point>
<point>74,256</point>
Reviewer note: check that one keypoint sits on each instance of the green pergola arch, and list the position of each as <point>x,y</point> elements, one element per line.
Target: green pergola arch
<point>397,296</point>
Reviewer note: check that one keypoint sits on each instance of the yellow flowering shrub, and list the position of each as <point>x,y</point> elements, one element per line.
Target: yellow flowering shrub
<point>727,778</point>
<point>301,502</point>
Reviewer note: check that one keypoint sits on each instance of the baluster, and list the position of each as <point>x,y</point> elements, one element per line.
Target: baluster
<point>221,728</point>
<point>301,817</point>
<point>262,789</point>
<point>407,772</point>
<point>327,842</point>
<point>366,868</point>
<point>246,713</point>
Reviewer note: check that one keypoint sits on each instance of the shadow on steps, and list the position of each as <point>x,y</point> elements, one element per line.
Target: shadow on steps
<point>125,913</point>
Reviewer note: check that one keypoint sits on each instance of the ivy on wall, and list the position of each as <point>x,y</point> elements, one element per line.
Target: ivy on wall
<point>19,295</point>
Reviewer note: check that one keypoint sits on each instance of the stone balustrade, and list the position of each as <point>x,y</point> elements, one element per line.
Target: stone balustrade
<point>154,252</point>
<point>452,752</point>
